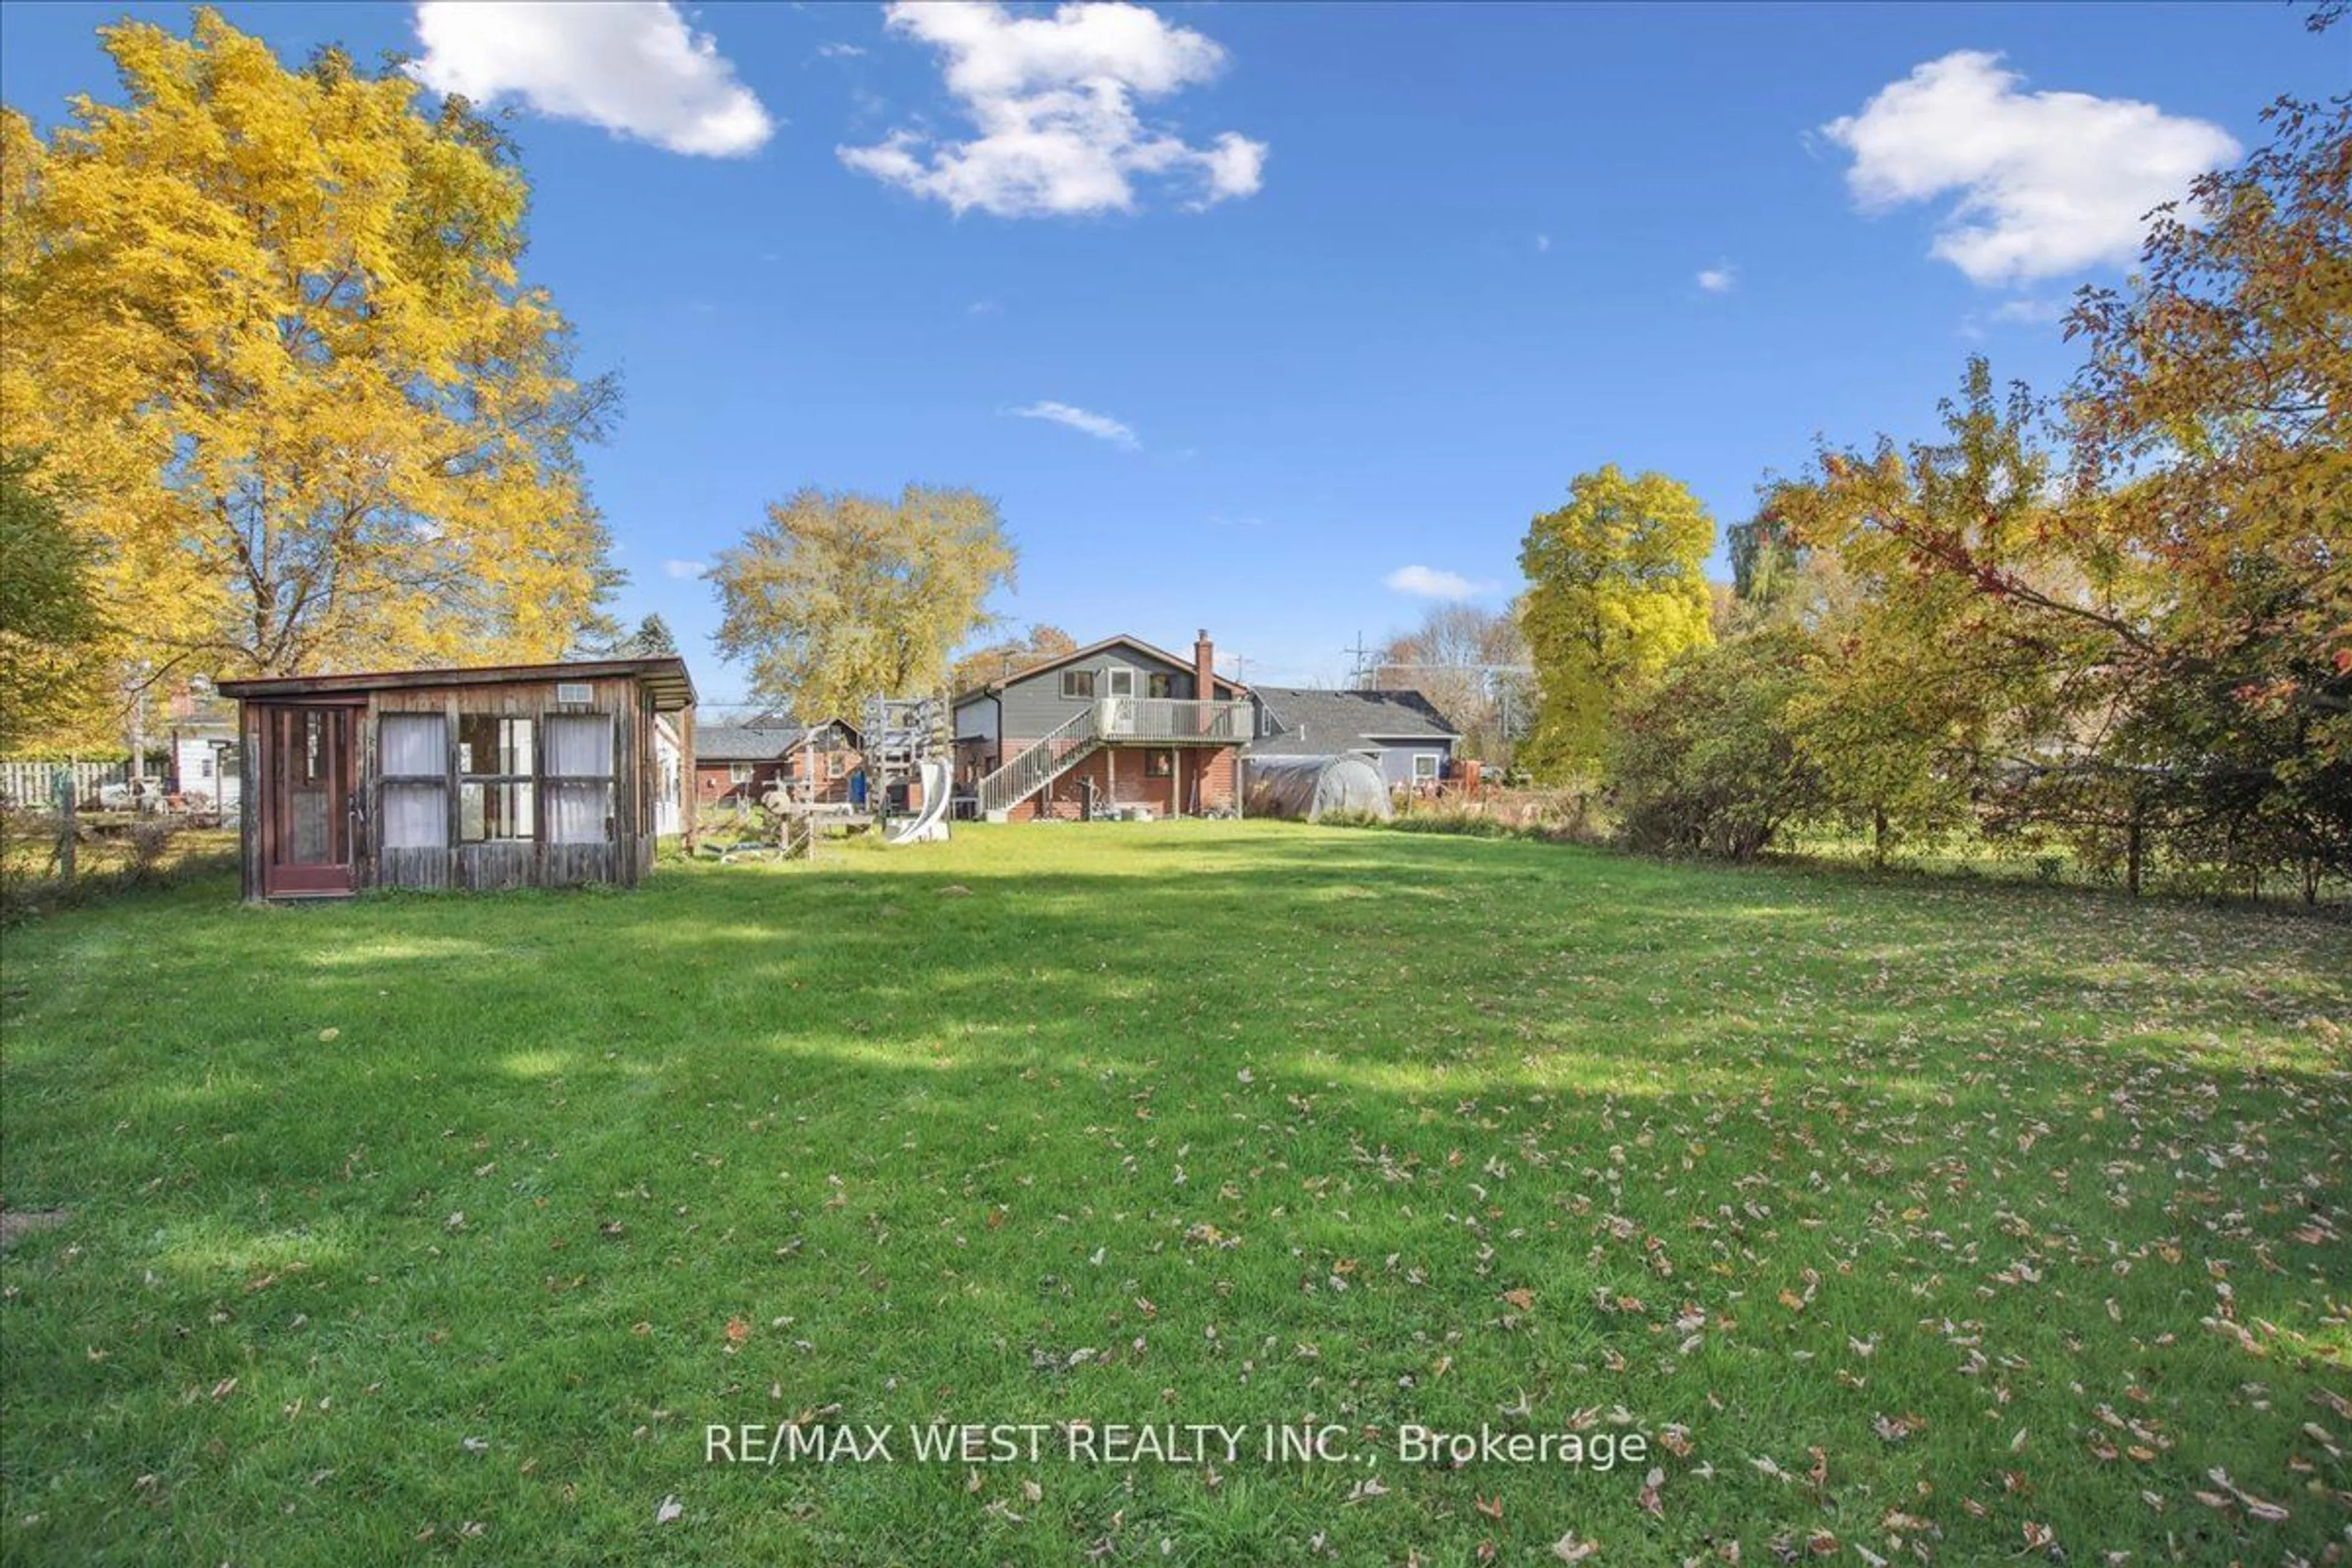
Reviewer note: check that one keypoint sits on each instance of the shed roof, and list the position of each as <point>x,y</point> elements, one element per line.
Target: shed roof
<point>1309,722</point>
<point>664,674</point>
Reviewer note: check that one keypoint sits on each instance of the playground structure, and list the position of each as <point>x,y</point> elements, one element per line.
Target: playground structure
<point>905,749</point>
<point>903,788</point>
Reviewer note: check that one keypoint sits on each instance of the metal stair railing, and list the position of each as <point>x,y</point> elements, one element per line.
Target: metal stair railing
<point>1048,759</point>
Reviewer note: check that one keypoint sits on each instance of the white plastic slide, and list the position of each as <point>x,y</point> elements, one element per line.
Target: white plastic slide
<point>929,824</point>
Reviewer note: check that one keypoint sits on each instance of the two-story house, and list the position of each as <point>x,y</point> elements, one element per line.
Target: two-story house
<point>1115,725</point>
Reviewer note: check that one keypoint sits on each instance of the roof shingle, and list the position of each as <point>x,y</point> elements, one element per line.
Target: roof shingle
<point>1309,723</point>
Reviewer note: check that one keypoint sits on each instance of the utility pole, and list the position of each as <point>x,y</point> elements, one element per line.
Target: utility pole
<point>1362,669</point>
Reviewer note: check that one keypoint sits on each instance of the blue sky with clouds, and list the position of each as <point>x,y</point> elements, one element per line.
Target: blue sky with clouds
<point>1284,319</point>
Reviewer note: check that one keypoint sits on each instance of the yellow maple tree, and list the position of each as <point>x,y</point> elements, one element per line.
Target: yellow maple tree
<point>1616,588</point>
<point>266,330</point>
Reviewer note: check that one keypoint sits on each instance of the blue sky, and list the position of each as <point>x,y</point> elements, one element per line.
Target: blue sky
<point>1239,311</point>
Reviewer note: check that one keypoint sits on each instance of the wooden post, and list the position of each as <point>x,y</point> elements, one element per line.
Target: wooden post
<point>689,784</point>
<point>62,793</point>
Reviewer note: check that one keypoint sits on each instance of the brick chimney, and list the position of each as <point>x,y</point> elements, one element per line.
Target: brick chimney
<point>1204,667</point>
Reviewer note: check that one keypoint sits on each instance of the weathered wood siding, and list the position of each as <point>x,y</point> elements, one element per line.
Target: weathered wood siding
<point>498,864</point>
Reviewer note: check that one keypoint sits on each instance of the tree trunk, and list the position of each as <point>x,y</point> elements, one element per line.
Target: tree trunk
<point>2132,856</point>
<point>1878,838</point>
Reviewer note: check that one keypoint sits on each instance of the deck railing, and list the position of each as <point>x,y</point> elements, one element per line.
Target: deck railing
<point>1172,718</point>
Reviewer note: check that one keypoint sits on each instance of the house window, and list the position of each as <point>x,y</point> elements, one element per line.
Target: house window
<point>580,778</point>
<point>836,764</point>
<point>1159,764</point>
<point>412,759</point>
<point>738,773</point>
<point>497,794</point>
<point>1161,684</point>
<point>1425,766</point>
<point>1079,684</point>
<point>1119,683</point>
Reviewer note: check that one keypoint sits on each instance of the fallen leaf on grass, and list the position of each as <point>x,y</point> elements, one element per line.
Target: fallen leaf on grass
<point>670,1509</point>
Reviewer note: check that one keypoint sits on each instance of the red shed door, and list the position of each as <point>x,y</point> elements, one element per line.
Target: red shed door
<point>309,805</point>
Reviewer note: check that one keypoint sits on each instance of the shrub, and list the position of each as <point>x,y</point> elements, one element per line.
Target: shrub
<point>1707,762</point>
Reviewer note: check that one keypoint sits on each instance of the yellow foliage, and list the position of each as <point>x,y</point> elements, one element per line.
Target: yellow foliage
<point>836,597</point>
<point>265,330</point>
<point>1615,591</point>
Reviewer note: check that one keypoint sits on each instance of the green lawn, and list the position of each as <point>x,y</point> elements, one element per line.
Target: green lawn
<point>1955,1222</point>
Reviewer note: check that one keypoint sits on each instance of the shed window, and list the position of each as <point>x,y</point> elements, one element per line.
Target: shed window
<point>738,773</point>
<point>580,778</point>
<point>1078,683</point>
<point>497,794</point>
<point>413,758</point>
<point>836,764</point>
<point>1424,764</point>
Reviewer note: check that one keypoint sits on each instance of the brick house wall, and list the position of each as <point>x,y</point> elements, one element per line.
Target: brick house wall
<point>715,782</point>
<point>1199,779</point>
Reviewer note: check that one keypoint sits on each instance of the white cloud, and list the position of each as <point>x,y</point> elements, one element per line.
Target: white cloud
<point>840,51</point>
<point>631,66</point>
<point>1543,243</point>
<point>1101,427</point>
<point>1718,279</point>
<point>1052,99</point>
<point>1428,582</point>
<point>2035,313</point>
<point>686,570</point>
<point>2048,182</point>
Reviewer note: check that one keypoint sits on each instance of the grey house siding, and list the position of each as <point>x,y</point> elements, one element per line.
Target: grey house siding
<point>1395,760</point>
<point>1033,705</point>
<point>976,720</point>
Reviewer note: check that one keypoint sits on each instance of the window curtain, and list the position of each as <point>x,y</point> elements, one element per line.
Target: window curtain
<point>580,748</point>
<point>413,745</point>
<point>415,815</point>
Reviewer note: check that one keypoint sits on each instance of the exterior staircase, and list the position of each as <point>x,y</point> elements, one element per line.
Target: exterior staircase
<point>1158,720</point>
<point>1076,740</point>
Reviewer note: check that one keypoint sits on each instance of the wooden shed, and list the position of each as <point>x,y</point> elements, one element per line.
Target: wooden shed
<point>509,777</point>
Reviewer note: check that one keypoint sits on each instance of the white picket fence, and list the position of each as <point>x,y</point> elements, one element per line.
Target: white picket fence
<point>27,784</point>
